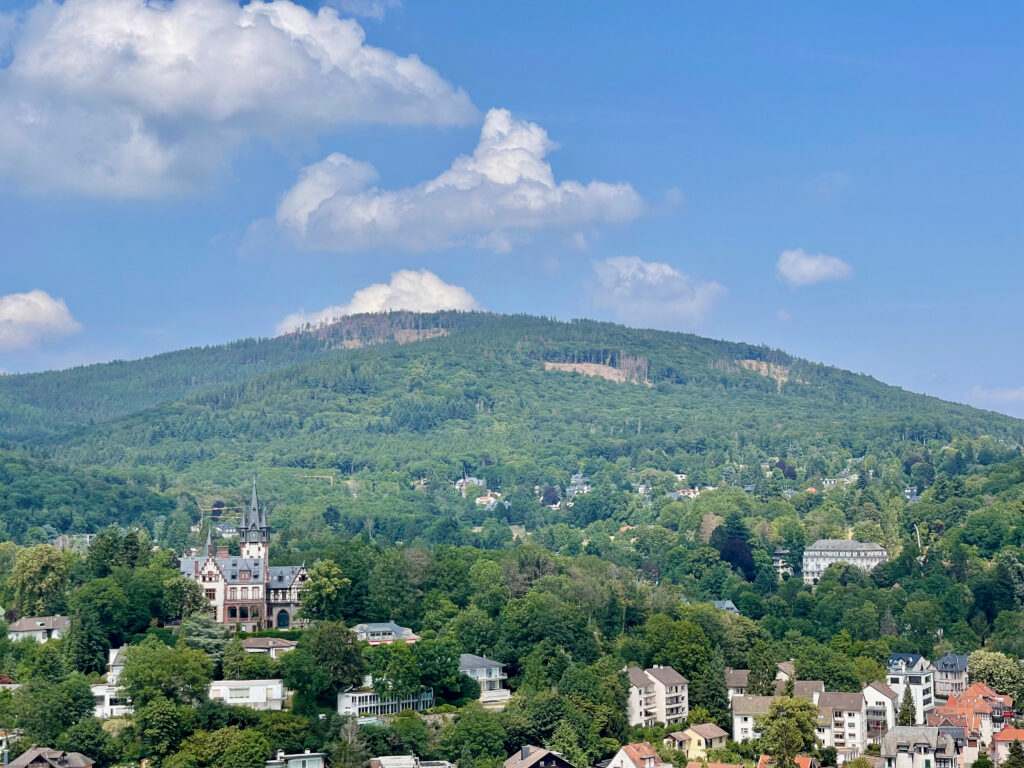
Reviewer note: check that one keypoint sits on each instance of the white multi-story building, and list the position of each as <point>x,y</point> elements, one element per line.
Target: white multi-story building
<point>254,694</point>
<point>110,699</point>
<point>38,628</point>
<point>305,759</point>
<point>913,671</point>
<point>841,723</point>
<point>880,707</point>
<point>910,746</point>
<point>657,695</point>
<point>364,702</point>
<point>825,552</point>
<point>745,709</point>
<point>490,675</point>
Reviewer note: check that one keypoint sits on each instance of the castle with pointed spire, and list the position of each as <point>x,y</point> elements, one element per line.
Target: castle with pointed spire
<point>245,591</point>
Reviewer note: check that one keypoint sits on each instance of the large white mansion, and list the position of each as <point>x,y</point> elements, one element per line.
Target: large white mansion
<point>245,591</point>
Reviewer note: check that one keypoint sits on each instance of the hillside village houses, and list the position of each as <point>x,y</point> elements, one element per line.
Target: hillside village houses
<point>657,695</point>
<point>246,592</point>
<point>825,552</point>
<point>695,741</point>
<point>908,746</point>
<point>110,701</point>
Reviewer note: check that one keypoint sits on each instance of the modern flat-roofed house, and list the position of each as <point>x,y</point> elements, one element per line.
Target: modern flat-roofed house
<point>304,759</point>
<point>365,703</point>
<point>950,675</point>
<point>489,674</point>
<point>110,700</point>
<point>254,694</point>
<point>384,633</point>
<point>913,671</point>
<point>38,628</point>
<point>911,746</point>
<point>821,554</point>
<point>268,646</point>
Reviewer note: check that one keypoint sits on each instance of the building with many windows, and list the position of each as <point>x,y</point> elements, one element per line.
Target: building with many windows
<point>245,591</point>
<point>657,695</point>
<point>914,672</point>
<point>950,675</point>
<point>490,675</point>
<point>825,552</point>
<point>366,704</point>
<point>909,746</point>
<point>110,699</point>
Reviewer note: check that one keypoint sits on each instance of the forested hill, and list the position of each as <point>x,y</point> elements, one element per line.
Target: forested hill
<point>489,389</point>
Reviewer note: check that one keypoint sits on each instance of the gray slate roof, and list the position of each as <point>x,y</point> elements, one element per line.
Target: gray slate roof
<point>913,734</point>
<point>952,662</point>
<point>283,576</point>
<point>666,676</point>
<point>36,623</point>
<point>843,545</point>
<point>637,677</point>
<point>472,661</point>
<point>230,567</point>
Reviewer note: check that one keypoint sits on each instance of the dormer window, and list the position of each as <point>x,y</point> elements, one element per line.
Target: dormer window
<point>244,575</point>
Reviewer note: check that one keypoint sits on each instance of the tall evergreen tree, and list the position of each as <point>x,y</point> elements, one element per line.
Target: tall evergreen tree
<point>908,712</point>
<point>709,691</point>
<point>762,665</point>
<point>85,644</point>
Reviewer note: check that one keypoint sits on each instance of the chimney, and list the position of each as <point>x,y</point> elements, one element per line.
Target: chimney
<point>525,752</point>
<point>222,552</point>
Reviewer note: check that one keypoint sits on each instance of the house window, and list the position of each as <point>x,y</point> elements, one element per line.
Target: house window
<point>238,693</point>
<point>211,594</point>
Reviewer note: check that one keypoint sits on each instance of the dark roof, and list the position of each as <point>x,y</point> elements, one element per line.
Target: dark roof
<point>913,734</point>
<point>666,676</point>
<point>55,757</point>
<point>637,677</point>
<point>535,755</point>
<point>229,566</point>
<point>803,689</point>
<point>281,576</point>
<point>472,661</point>
<point>843,545</point>
<point>910,658</point>
<point>268,642</point>
<point>736,678</point>
<point>952,662</point>
<point>843,702</point>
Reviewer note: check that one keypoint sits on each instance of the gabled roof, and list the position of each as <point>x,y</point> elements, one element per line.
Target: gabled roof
<point>842,702</point>
<point>666,676</point>
<point>55,757</point>
<point>911,735</point>
<point>679,736</point>
<point>534,756</point>
<point>268,642</point>
<point>736,678</point>
<point>695,764</point>
<point>36,623</point>
<point>637,752</point>
<point>802,761</point>
<point>883,689</point>
<point>708,731</point>
<point>751,705</point>
<point>802,689</point>
<point>638,678</point>
<point>230,568</point>
<point>283,576</point>
<point>1009,734</point>
<point>787,668</point>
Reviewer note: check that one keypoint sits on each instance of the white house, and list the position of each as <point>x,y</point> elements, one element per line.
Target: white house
<point>825,552</point>
<point>636,755</point>
<point>841,723</point>
<point>950,675</point>
<point>657,695</point>
<point>913,671</point>
<point>489,674</point>
<point>38,628</point>
<point>910,746</point>
<point>255,694</point>
<point>365,704</point>
<point>384,633</point>
<point>881,705</point>
<point>745,709</point>
<point>110,700</point>
<point>305,759</point>
<point>268,646</point>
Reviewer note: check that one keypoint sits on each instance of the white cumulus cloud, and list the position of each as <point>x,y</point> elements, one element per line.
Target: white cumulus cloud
<point>490,199</point>
<point>27,319</point>
<point>136,98</point>
<point>799,268</point>
<point>652,293</point>
<point>416,291</point>
<point>368,9</point>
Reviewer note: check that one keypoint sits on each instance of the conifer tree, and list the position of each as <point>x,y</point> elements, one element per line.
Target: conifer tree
<point>908,713</point>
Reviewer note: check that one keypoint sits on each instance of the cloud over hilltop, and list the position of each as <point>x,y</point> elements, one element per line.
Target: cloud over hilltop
<point>129,98</point>
<point>28,319</point>
<point>416,291</point>
<point>653,293</point>
<point>498,195</point>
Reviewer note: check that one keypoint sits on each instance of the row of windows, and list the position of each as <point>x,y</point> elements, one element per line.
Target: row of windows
<point>233,593</point>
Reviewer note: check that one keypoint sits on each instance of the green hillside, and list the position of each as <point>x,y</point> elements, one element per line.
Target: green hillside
<point>343,417</point>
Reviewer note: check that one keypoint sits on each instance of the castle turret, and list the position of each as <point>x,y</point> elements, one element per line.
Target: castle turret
<point>254,532</point>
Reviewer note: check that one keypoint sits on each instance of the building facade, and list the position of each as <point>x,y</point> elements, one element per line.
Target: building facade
<point>825,552</point>
<point>254,694</point>
<point>908,746</point>
<point>38,628</point>
<point>657,695</point>
<point>490,675</point>
<point>245,592</point>
<point>914,672</point>
<point>950,675</point>
<point>364,702</point>
<point>110,699</point>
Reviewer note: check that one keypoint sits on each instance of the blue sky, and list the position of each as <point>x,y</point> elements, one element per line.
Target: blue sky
<point>169,204</point>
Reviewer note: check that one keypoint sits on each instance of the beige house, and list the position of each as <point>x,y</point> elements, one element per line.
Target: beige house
<point>702,738</point>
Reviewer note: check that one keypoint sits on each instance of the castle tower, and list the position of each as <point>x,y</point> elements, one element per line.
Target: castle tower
<point>254,532</point>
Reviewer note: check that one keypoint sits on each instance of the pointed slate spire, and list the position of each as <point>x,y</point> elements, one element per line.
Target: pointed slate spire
<point>209,542</point>
<point>254,508</point>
